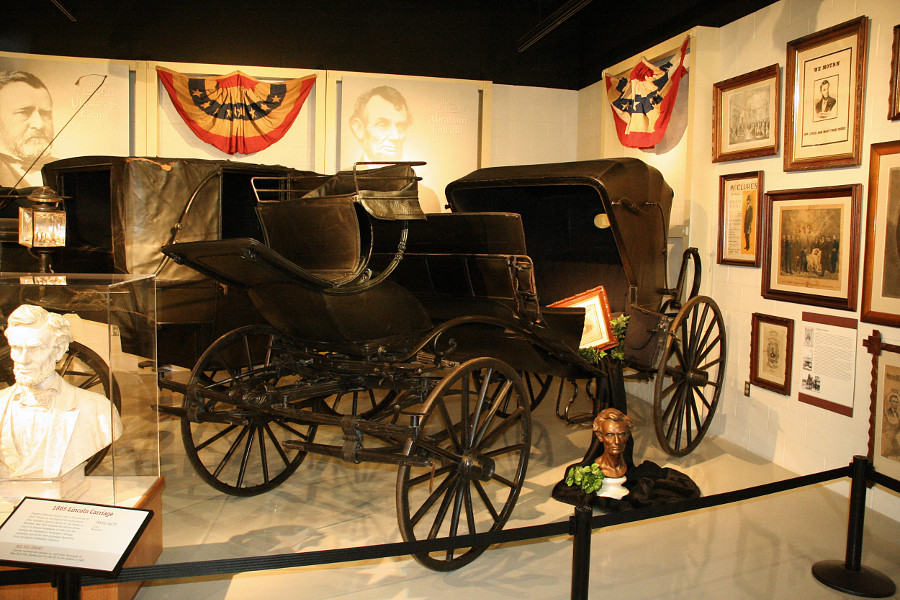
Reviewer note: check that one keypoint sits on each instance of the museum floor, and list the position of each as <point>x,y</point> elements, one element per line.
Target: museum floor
<point>762,548</point>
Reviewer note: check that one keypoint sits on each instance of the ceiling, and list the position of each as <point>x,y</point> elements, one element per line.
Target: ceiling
<point>467,39</point>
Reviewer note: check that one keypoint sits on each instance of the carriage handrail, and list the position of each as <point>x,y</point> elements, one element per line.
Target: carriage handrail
<point>677,293</point>
<point>179,224</point>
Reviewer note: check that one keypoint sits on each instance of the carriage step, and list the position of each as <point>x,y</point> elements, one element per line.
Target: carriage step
<point>361,455</point>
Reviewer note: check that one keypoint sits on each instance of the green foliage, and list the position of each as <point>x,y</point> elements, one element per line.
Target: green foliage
<point>619,327</point>
<point>589,477</point>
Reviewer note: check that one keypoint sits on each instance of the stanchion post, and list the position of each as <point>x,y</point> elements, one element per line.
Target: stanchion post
<point>580,527</point>
<point>850,576</point>
<point>68,586</point>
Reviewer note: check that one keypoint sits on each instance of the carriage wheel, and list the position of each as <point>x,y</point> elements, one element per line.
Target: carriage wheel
<point>476,428</point>
<point>240,451</point>
<point>690,375</point>
<point>84,368</point>
<point>537,386</point>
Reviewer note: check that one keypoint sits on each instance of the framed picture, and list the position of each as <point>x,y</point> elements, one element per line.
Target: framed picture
<point>745,115</point>
<point>739,231</point>
<point>884,420</point>
<point>881,268</point>
<point>823,109</point>
<point>810,246</point>
<point>771,353</point>
<point>894,96</point>
<point>597,321</point>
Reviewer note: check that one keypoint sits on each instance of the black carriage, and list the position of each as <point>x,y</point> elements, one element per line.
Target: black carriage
<point>410,334</point>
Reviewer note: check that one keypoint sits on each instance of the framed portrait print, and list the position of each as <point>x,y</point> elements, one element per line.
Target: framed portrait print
<point>823,108</point>
<point>597,321</point>
<point>881,266</point>
<point>745,115</point>
<point>894,96</point>
<point>810,249</point>
<point>771,353</point>
<point>739,231</point>
<point>884,422</point>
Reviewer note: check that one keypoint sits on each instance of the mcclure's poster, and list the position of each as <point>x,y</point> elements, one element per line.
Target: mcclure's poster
<point>399,119</point>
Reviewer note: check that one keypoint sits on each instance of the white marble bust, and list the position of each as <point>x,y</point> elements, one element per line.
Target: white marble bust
<point>48,427</point>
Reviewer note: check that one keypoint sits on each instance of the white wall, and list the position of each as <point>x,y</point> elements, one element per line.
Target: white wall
<point>533,125</point>
<point>779,428</point>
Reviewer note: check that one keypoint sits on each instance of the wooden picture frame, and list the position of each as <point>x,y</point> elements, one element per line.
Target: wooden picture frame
<point>810,248</point>
<point>746,110</point>
<point>881,266</point>
<point>740,201</point>
<point>597,318</point>
<point>894,96</point>
<point>772,353</point>
<point>823,108</point>
<point>884,403</point>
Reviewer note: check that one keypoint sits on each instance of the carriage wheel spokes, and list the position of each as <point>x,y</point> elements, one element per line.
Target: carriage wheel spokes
<point>476,429</point>
<point>689,377</point>
<point>236,449</point>
<point>537,385</point>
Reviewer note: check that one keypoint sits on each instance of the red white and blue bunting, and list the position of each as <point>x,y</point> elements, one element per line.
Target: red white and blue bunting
<point>642,101</point>
<point>236,113</point>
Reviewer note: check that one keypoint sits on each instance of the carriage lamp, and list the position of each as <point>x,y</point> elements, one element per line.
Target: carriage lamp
<point>42,224</point>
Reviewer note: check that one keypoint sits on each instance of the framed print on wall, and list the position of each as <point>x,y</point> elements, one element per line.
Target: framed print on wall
<point>739,218</point>
<point>894,96</point>
<point>745,115</point>
<point>823,108</point>
<point>884,419</point>
<point>771,353</point>
<point>810,246</point>
<point>881,267</point>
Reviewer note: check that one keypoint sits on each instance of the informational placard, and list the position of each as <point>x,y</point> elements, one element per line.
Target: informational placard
<point>92,539</point>
<point>827,362</point>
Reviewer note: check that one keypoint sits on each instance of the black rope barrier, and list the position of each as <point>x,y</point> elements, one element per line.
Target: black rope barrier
<point>572,526</point>
<point>885,481</point>
<point>766,489</point>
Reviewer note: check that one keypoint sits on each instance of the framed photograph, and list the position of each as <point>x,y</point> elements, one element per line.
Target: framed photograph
<point>823,108</point>
<point>894,96</point>
<point>745,115</point>
<point>597,321</point>
<point>771,353</point>
<point>739,217</point>
<point>884,420</point>
<point>810,249</point>
<point>881,267</point>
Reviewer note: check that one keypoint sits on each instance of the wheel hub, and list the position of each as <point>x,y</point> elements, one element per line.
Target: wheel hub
<point>698,378</point>
<point>477,467</point>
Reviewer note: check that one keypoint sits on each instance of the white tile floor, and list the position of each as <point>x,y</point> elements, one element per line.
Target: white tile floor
<point>761,548</point>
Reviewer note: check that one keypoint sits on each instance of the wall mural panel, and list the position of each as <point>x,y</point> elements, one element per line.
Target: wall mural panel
<point>38,96</point>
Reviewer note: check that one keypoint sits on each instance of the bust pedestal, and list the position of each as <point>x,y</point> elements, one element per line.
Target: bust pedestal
<point>67,487</point>
<point>613,487</point>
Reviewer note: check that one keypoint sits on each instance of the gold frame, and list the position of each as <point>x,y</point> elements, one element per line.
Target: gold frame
<point>738,88</point>
<point>882,248</point>
<point>731,229</point>
<point>826,133</point>
<point>829,281</point>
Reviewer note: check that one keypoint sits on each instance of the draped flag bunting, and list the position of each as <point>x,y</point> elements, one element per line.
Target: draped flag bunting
<point>236,113</point>
<point>642,102</point>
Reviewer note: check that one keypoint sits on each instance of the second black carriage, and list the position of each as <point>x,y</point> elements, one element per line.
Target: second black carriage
<point>410,336</point>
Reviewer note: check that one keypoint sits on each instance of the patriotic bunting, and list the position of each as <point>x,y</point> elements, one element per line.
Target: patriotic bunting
<point>236,113</point>
<point>642,102</point>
